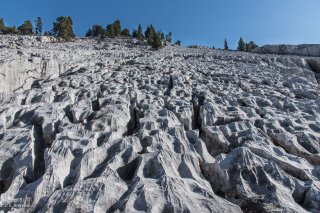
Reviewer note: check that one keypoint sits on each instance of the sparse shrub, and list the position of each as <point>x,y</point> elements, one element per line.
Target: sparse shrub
<point>282,49</point>
<point>10,30</point>
<point>62,28</point>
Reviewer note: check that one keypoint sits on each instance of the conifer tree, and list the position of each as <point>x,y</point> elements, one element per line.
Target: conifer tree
<point>156,42</point>
<point>89,33</point>
<point>26,28</point>
<point>117,27</point>
<point>135,33</point>
<point>125,32</point>
<point>226,47</point>
<point>178,42</point>
<point>110,31</point>
<point>139,33</point>
<point>251,46</point>
<point>63,28</point>
<point>150,33</point>
<point>38,26</point>
<point>2,26</point>
<point>162,36</point>
<point>97,30</point>
<point>169,37</point>
<point>241,45</point>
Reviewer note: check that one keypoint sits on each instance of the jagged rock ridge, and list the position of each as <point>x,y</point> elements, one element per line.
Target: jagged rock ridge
<point>127,129</point>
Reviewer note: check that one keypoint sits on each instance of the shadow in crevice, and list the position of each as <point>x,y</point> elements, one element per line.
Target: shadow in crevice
<point>6,174</point>
<point>38,150</point>
<point>314,67</point>
<point>128,172</point>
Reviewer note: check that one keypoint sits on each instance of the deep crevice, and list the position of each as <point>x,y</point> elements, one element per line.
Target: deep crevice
<point>232,196</point>
<point>120,205</point>
<point>314,67</point>
<point>95,105</point>
<point>6,174</point>
<point>133,123</point>
<point>128,172</point>
<point>68,113</point>
<point>223,121</point>
<point>299,195</point>
<point>111,152</point>
<point>197,103</point>
<point>135,115</point>
<point>38,150</point>
<point>252,206</point>
<point>75,167</point>
<point>170,86</point>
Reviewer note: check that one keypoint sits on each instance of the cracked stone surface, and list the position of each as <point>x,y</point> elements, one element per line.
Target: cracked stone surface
<point>114,126</point>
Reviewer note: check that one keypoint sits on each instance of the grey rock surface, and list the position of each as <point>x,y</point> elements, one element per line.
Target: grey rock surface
<point>123,128</point>
<point>312,50</point>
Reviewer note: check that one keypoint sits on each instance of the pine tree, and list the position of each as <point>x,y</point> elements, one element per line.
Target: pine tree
<point>38,26</point>
<point>139,33</point>
<point>150,34</point>
<point>178,42</point>
<point>110,31</point>
<point>2,26</point>
<point>251,46</point>
<point>169,37</point>
<point>26,28</point>
<point>46,33</point>
<point>226,47</point>
<point>89,33</point>
<point>98,30</point>
<point>125,33</point>
<point>162,36</point>
<point>241,45</point>
<point>63,28</point>
<point>156,42</point>
<point>135,33</point>
<point>117,27</point>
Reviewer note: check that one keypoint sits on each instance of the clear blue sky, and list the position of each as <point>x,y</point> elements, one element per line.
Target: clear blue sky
<point>203,22</point>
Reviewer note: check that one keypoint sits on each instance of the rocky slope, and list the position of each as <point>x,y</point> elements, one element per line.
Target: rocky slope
<point>116,127</point>
<point>312,50</point>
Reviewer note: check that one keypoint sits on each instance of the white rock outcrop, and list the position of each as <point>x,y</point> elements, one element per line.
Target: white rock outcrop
<point>312,50</point>
<point>113,126</point>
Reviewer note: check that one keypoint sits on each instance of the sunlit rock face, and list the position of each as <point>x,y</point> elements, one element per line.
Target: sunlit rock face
<point>113,126</point>
<point>312,50</point>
